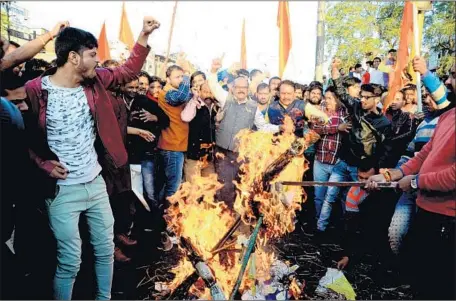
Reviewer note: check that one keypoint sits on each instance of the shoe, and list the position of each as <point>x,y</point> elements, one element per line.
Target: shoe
<point>119,256</point>
<point>124,239</point>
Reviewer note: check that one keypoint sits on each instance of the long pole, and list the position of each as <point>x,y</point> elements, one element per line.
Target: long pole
<point>245,259</point>
<point>163,68</point>
<point>320,49</point>
<point>416,35</point>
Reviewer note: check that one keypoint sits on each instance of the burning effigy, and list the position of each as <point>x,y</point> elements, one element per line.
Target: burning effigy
<point>229,250</point>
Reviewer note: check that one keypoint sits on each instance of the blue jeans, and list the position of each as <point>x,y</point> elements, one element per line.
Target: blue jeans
<point>401,221</point>
<point>171,166</point>
<point>64,211</point>
<point>148,172</point>
<point>341,172</point>
<point>321,172</point>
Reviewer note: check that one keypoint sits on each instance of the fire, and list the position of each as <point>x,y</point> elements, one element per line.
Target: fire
<point>196,216</point>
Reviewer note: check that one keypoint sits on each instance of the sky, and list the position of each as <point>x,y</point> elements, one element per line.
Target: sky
<point>203,29</point>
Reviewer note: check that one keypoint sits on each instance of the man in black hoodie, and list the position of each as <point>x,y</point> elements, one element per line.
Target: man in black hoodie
<point>369,137</point>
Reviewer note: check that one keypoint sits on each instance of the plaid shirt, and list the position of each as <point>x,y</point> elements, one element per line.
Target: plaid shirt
<point>331,139</point>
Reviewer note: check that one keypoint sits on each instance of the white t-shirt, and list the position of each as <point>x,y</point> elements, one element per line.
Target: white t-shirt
<point>71,132</point>
<point>376,77</point>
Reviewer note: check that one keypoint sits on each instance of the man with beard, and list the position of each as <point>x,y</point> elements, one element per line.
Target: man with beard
<point>274,83</point>
<point>200,113</point>
<point>263,95</point>
<point>73,127</point>
<point>401,125</point>
<point>315,93</point>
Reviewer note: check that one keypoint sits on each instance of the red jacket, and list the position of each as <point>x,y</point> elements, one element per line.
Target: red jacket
<point>435,166</point>
<point>110,147</point>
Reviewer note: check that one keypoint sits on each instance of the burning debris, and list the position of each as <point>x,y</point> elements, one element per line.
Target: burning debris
<point>217,245</point>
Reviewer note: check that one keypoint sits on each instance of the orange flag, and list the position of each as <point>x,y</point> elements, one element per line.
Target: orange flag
<point>283,22</point>
<point>406,39</point>
<point>243,48</point>
<point>125,34</point>
<point>103,45</point>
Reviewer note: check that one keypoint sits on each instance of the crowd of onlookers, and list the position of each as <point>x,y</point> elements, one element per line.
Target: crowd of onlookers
<point>81,136</point>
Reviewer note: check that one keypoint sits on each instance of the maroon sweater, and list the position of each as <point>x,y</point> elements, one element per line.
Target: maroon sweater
<point>435,165</point>
<point>110,147</point>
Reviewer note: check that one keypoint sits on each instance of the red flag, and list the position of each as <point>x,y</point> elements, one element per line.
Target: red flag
<point>283,22</point>
<point>406,38</point>
<point>103,45</point>
<point>125,34</point>
<point>243,48</point>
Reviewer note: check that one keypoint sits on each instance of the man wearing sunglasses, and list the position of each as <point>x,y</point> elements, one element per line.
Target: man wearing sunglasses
<point>369,138</point>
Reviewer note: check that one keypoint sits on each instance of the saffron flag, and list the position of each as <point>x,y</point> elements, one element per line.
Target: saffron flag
<point>403,57</point>
<point>243,48</point>
<point>421,6</point>
<point>125,34</point>
<point>283,22</point>
<point>103,45</point>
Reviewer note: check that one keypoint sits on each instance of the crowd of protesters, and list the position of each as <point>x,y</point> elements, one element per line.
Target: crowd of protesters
<point>80,137</point>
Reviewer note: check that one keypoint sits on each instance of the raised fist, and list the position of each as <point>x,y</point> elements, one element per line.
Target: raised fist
<point>216,65</point>
<point>149,25</point>
<point>58,27</point>
<point>336,63</point>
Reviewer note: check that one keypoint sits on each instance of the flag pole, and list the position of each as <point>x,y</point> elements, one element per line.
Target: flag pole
<point>416,35</point>
<point>163,68</point>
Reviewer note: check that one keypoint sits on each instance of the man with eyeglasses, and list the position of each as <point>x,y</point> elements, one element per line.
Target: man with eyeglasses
<point>369,138</point>
<point>238,112</point>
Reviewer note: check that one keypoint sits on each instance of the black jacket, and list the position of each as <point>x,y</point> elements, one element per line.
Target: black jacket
<point>370,136</point>
<point>138,148</point>
<point>202,134</point>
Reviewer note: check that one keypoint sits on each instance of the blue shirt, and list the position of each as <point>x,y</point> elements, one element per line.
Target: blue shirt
<point>295,111</point>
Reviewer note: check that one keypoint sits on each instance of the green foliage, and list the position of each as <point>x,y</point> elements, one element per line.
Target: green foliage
<point>439,33</point>
<point>354,28</point>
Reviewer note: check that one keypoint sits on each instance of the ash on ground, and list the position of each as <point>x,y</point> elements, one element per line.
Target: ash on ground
<point>370,279</point>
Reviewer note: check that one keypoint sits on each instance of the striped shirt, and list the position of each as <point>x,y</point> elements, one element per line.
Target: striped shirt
<point>71,132</point>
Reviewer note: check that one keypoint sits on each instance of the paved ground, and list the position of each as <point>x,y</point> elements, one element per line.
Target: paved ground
<point>370,276</point>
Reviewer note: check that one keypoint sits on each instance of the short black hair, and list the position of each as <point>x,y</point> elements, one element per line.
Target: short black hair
<point>333,90</point>
<point>144,74</point>
<point>254,72</point>
<point>315,85</point>
<point>154,79</point>
<point>367,164</point>
<point>173,68</point>
<point>11,81</point>
<point>14,44</point>
<point>351,81</point>
<point>262,86</point>
<point>369,63</point>
<point>392,50</point>
<point>273,78</point>
<point>375,89</point>
<point>243,72</point>
<point>341,69</point>
<point>34,68</point>
<point>377,58</point>
<point>288,83</point>
<point>358,66</point>
<point>409,87</point>
<point>72,39</point>
<point>195,74</point>
<point>300,86</point>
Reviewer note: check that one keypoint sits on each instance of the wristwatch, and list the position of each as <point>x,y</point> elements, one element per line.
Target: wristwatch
<point>413,183</point>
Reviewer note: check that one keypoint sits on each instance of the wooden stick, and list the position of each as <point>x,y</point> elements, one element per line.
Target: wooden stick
<point>162,71</point>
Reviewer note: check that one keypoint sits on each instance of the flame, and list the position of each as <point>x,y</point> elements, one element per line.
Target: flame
<point>195,214</point>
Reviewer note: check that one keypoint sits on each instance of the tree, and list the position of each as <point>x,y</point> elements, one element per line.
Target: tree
<point>354,28</point>
<point>439,33</point>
